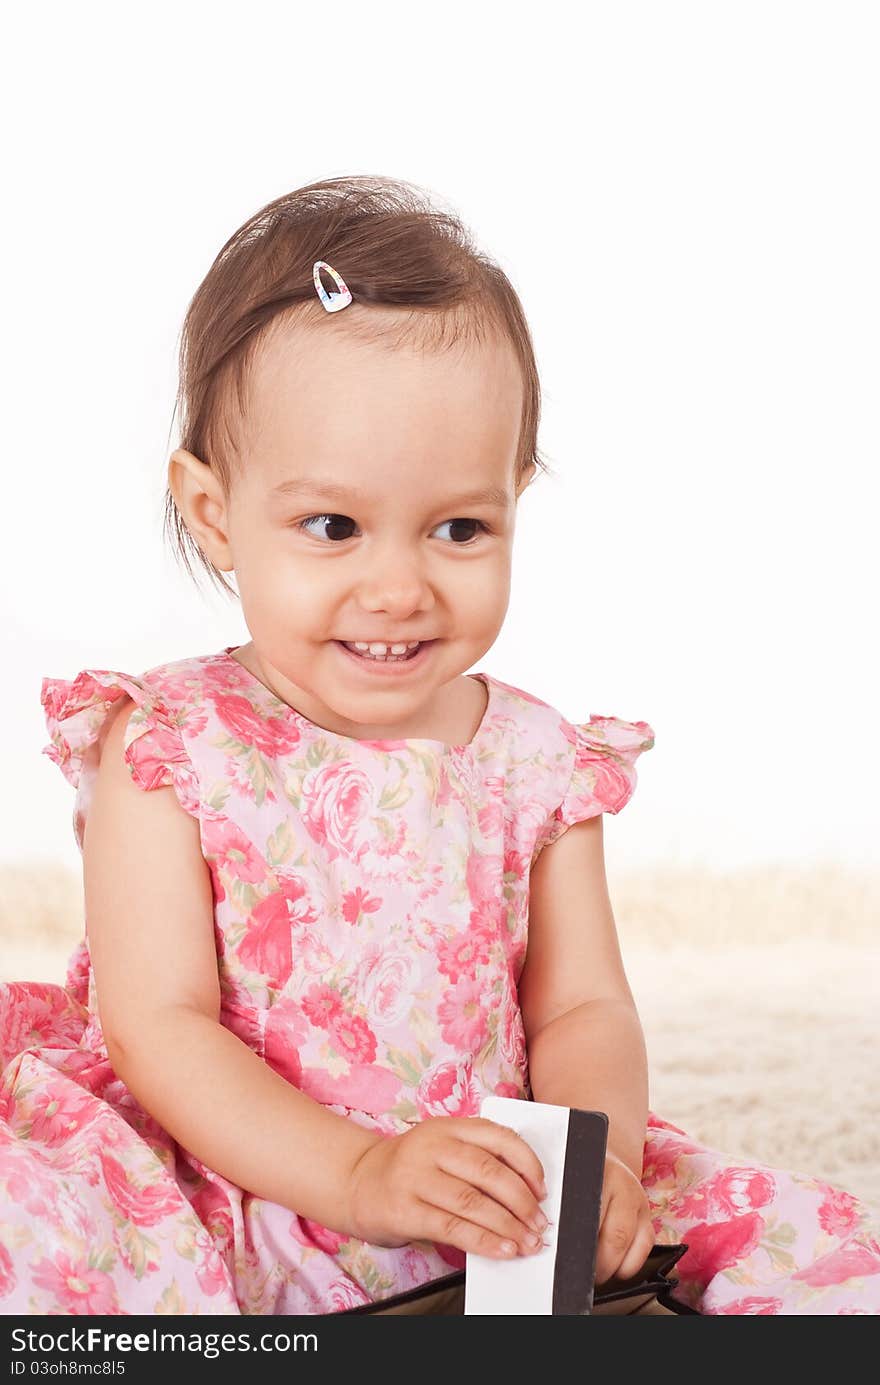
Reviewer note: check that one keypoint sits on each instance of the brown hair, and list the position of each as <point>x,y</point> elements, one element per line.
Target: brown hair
<point>392,248</point>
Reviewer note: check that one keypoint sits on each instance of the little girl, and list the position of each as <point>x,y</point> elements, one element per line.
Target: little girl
<point>338,889</point>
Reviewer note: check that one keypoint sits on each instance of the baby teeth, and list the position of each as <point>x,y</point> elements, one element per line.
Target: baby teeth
<point>384,648</point>
<point>379,650</point>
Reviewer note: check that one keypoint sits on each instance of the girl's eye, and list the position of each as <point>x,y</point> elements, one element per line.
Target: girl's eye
<point>329,526</point>
<point>338,528</point>
<point>460,529</point>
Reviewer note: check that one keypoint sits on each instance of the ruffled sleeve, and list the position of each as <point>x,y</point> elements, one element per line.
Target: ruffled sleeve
<point>603,771</point>
<point>77,716</point>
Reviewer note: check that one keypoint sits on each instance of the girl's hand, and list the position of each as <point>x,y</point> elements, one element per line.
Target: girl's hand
<point>626,1234</point>
<point>460,1180</point>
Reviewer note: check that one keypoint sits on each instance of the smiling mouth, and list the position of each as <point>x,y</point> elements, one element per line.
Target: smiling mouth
<point>363,651</point>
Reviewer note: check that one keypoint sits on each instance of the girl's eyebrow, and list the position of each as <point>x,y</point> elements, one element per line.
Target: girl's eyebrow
<point>329,490</point>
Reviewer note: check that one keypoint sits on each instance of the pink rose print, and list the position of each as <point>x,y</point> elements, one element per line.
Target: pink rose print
<point>462,1018</point>
<point>54,696</point>
<point>433,881</point>
<point>33,1014</point>
<point>212,1273</point>
<point>742,1190</point>
<point>514,864</point>
<point>416,1269</point>
<point>377,940</point>
<point>32,1188</point>
<point>314,957</point>
<point>312,1233</point>
<point>335,800</point>
<point>848,1262</point>
<point>484,882</point>
<point>386,981</point>
<point>284,1033</point>
<point>461,954</point>
<point>266,945</point>
<point>661,1162</point>
<point>322,1004</point>
<point>387,745</point>
<point>177,686</point>
<point>149,755</point>
<point>232,852</point>
<point>272,736</point>
<point>511,1037</point>
<point>344,1293</point>
<point>59,1112</point>
<point>728,1193</point>
<point>532,823</point>
<point>245,1023</point>
<point>610,781</point>
<point>448,1090</point>
<point>300,907</point>
<point>77,1288</point>
<point>127,1261</point>
<point>713,1247</point>
<point>7,1273</point>
<point>359,901</point>
<point>508,1089</point>
<point>144,1206</point>
<point>390,843</point>
<point>362,1088</point>
<point>444,788</point>
<point>211,1206</point>
<point>515,958</point>
<point>78,970</point>
<point>838,1212</point>
<point>490,817</point>
<point>353,1037</point>
<point>753,1306</point>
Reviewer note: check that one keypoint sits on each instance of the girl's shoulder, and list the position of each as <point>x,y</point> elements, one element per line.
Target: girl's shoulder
<point>170,686</point>
<point>76,709</point>
<point>168,704</point>
<point>530,718</point>
<point>574,770</point>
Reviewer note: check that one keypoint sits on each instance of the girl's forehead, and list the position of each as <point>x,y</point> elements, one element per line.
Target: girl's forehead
<point>325,391</point>
<point>379,344</point>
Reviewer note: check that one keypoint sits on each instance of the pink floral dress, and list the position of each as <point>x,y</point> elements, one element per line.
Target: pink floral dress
<point>371,922</point>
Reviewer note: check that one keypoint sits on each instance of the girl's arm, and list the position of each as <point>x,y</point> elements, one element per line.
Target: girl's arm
<point>149,905</point>
<point>583,1035</point>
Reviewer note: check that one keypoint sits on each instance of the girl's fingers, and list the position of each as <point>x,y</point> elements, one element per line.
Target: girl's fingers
<point>625,1238</point>
<point>640,1248</point>
<point>459,1198</point>
<point>508,1146</point>
<point>486,1174</point>
<point>465,1209</point>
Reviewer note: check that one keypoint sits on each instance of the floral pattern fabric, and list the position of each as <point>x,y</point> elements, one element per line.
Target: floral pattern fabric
<point>371,921</point>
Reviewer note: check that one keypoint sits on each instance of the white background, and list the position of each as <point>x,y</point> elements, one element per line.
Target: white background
<point>685,196</point>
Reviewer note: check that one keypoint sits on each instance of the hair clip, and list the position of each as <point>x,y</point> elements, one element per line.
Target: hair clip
<point>333,302</point>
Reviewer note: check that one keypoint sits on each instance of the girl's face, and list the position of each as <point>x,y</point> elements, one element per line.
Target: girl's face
<point>356,517</point>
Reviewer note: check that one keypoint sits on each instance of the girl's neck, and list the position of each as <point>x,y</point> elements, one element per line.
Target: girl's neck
<point>462,716</point>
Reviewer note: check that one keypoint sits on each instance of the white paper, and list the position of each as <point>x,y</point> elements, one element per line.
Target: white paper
<point>523,1284</point>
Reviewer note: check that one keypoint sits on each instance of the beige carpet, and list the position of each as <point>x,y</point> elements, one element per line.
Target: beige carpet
<point>759,993</point>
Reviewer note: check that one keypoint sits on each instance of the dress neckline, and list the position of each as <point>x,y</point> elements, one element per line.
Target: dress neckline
<point>388,743</point>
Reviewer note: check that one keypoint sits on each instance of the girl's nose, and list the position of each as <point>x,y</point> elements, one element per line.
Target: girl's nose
<point>395,581</point>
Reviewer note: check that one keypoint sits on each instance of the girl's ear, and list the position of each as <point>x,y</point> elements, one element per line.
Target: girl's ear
<point>526,479</point>
<point>202,505</point>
